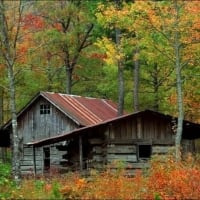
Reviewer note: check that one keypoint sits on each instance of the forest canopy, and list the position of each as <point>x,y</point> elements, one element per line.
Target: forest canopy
<point>71,47</point>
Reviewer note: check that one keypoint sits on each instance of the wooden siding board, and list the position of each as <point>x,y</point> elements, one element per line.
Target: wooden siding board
<point>161,149</point>
<point>121,149</point>
<point>121,157</point>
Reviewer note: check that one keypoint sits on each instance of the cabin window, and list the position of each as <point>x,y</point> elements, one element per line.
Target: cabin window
<point>144,151</point>
<point>44,109</point>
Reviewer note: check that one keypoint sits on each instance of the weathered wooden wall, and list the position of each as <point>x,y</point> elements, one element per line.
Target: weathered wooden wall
<point>123,138</point>
<point>119,140</point>
<point>35,126</point>
<point>28,166</point>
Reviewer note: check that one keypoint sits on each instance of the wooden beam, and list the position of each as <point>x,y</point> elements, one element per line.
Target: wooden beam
<point>80,153</point>
<point>139,127</point>
<point>34,161</point>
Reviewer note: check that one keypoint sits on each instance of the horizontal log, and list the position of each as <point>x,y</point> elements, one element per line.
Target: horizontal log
<point>39,157</point>
<point>29,152</point>
<point>95,141</point>
<point>138,165</point>
<point>97,158</point>
<point>161,149</point>
<point>122,157</point>
<point>30,168</point>
<point>121,149</point>
<point>30,163</point>
<point>97,149</point>
<point>163,142</point>
<point>140,141</point>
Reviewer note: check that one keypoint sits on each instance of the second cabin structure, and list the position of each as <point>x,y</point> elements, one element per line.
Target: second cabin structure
<point>131,138</point>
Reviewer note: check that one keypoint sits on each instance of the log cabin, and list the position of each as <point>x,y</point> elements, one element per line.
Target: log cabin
<point>52,114</point>
<point>132,139</point>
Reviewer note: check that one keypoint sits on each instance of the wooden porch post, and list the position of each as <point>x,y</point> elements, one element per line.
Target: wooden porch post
<point>34,161</point>
<point>80,153</point>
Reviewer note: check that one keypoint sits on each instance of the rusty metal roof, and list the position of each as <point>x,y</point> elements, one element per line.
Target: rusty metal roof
<point>83,110</point>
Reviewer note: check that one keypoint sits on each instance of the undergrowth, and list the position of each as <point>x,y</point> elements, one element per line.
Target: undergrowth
<point>165,179</point>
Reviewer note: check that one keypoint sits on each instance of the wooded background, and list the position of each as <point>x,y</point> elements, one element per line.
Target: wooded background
<point>119,50</point>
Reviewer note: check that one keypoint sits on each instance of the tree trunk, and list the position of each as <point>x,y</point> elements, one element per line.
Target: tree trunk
<point>120,78</point>
<point>69,72</point>
<point>8,52</point>
<point>177,46</point>
<point>155,88</point>
<point>1,106</point>
<point>120,89</point>
<point>136,72</point>
<point>120,69</point>
<point>16,153</point>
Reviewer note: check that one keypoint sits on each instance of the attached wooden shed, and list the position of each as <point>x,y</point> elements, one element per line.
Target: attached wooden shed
<point>52,114</point>
<point>132,138</point>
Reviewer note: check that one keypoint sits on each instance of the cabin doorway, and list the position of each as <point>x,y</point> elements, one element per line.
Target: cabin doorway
<point>46,151</point>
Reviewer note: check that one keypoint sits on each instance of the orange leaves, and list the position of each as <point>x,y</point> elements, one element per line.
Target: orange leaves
<point>33,22</point>
<point>166,179</point>
<point>48,188</point>
<point>173,180</point>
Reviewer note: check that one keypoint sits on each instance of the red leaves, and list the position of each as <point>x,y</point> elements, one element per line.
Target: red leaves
<point>100,56</point>
<point>33,22</point>
<point>166,179</point>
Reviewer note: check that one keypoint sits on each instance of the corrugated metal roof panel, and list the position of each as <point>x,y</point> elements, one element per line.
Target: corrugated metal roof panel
<point>84,110</point>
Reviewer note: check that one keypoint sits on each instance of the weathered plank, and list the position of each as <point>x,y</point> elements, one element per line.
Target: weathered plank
<point>122,157</point>
<point>163,142</point>
<point>97,158</point>
<point>97,150</point>
<point>122,149</point>
<point>29,151</point>
<point>138,165</point>
<point>30,162</point>
<point>29,168</point>
<point>31,157</point>
<point>161,149</point>
<point>95,141</point>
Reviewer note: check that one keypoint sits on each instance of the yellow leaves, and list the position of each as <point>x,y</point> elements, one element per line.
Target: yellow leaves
<point>114,52</point>
<point>112,17</point>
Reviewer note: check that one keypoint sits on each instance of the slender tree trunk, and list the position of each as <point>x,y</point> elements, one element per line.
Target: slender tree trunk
<point>136,73</point>
<point>120,79</point>
<point>155,86</point>
<point>1,106</point>
<point>16,157</point>
<point>120,89</point>
<point>179,103</point>
<point>120,70</point>
<point>8,52</point>
<point>1,122</point>
<point>177,46</point>
<point>69,72</point>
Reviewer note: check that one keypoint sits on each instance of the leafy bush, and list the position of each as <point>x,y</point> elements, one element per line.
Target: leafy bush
<point>165,179</point>
<point>5,180</point>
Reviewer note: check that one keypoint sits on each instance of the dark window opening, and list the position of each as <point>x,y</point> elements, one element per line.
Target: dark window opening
<point>144,151</point>
<point>44,109</point>
<point>46,159</point>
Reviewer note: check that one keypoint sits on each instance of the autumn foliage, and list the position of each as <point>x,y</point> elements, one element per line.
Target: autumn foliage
<point>165,179</point>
